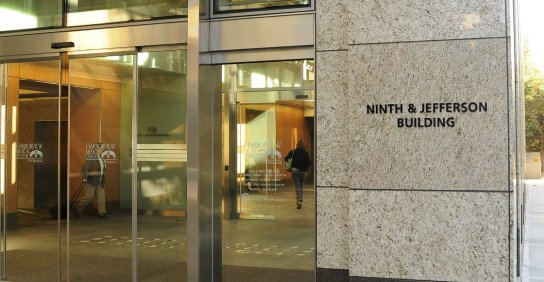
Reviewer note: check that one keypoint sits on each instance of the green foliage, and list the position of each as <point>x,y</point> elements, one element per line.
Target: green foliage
<point>534,104</point>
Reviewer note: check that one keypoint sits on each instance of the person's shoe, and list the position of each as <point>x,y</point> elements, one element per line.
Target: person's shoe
<point>103,216</point>
<point>299,204</point>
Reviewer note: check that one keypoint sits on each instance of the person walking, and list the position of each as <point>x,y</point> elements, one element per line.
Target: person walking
<point>94,175</point>
<point>300,162</point>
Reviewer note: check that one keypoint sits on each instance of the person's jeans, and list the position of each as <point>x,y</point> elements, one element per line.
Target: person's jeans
<point>298,177</point>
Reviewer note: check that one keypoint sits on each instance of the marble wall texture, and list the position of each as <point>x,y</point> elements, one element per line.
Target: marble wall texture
<point>424,203</point>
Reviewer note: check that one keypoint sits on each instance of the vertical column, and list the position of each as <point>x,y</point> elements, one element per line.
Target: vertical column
<point>332,140</point>
<point>210,172</point>
<point>427,140</point>
<point>193,147</point>
<point>204,157</point>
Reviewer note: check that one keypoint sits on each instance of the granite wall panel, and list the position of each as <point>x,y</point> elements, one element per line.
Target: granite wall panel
<point>472,154</point>
<point>379,21</point>
<point>445,236</point>
<point>332,122</point>
<point>428,203</point>
<point>332,228</point>
<point>331,22</point>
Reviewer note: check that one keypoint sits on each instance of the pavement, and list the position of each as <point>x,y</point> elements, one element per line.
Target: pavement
<point>533,243</point>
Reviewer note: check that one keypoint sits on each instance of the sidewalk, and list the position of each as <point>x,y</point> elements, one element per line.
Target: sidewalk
<point>533,257</point>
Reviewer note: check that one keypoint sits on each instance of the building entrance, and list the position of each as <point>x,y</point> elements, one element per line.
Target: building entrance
<point>69,126</point>
<point>94,167</point>
<point>266,133</point>
<point>268,108</point>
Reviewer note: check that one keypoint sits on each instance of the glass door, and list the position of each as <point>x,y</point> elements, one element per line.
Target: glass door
<point>162,166</point>
<point>270,108</point>
<point>78,202</point>
<point>258,160</point>
<point>129,216</point>
<point>100,167</point>
<point>33,173</point>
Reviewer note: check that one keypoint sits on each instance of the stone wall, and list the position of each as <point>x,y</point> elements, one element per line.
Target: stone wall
<point>424,203</point>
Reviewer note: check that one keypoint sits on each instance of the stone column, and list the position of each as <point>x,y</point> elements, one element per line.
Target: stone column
<point>426,202</point>
<point>332,132</point>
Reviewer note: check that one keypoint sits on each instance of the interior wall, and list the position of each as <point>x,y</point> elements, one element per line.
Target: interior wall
<point>11,136</point>
<point>85,118</point>
<point>31,111</point>
<point>20,129</point>
<point>291,127</point>
<point>86,106</point>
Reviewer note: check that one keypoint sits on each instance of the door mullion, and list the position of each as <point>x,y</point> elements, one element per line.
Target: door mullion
<point>63,59</point>
<point>134,160</point>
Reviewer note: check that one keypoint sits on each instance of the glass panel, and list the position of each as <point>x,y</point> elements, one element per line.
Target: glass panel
<point>234,5</point>
<point>275,109</point>
<point>101,91</point>
<point>258,161</point>
<point>28,14</point>
<point>162,166</point>
<point>3,91</point>
<point>271,75</point>
<point>32,184</point>
<point>86,12</point>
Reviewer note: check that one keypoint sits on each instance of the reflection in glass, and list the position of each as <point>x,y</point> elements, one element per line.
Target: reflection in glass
<point>86,12</point>
<point>162,165</point>
<point>274,104</point>
<point>101,91</point>
<point>18,14</point>
<point>32,183</point>
<point>233,5</point>
<point>289,74</point>
<point>258,161</point>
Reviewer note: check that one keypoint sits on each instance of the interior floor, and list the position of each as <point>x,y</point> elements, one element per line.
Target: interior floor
<point>100,249</point>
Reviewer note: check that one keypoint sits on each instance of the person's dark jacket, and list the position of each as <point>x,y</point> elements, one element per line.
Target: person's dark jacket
<point>91,172</point>
<point>301,159</point>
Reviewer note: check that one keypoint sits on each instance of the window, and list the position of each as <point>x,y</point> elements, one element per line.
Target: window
<point>87,12</point>
<point>237,5</point>
<point>30,14</point>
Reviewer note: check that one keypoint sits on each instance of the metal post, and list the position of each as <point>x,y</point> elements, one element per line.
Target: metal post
<point>233,157</point>
<point>193,64</point>
<point>63,59</point>
<point>203,159</point>
<point>68,167</point>
<point>134,169</point>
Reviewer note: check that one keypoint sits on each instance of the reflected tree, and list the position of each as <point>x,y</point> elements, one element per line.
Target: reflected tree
<point>534,103</point>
